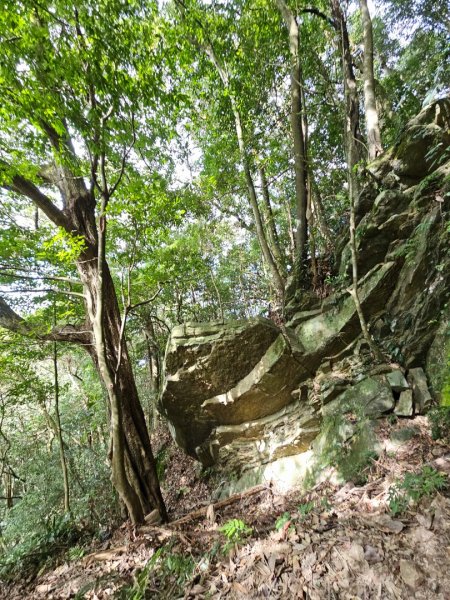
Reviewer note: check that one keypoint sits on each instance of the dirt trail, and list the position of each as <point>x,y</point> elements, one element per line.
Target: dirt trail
<point>336,542</point>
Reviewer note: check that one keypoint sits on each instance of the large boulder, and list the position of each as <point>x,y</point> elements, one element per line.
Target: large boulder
<point>226,374</point>
<point>327,333</point>
<point>228,389</point>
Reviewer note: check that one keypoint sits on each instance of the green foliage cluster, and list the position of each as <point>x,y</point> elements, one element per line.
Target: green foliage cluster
<point>439,419</point>
<point>235,530</point>
<point>413,487</point>
<point>286,518</point>
<point>35,526</point>
<point>40,548</point>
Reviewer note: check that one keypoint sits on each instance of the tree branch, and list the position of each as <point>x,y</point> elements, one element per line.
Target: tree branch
<point>10,320</point>
<point>23,186</point>
<point>318,13</point>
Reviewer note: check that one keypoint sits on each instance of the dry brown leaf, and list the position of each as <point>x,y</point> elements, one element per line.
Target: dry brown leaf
<point>411,574</point>
<point>385,523</point>
<point>307,565</point>
<point>425,520</point>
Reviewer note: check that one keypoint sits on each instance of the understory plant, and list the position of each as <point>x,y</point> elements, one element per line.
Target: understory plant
<point>439,419</point>
<point>170,568</point>
<point>413,487</point>
<point>39,549</point>
<point>235,530</point>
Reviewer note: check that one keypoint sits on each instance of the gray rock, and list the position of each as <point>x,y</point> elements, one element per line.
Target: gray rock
<point>232,374</point>
<point>405,434</point>
<point>372,396</point>
<point>287,432</point>
<point>203,360</point>
<point>397,381</point>
<point>422,396</point>
<point>405,404</point>
<point>328,333</point>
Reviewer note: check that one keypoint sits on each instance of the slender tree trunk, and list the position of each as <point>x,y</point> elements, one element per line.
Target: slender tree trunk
<point>8,484</point>
<point>300,161</point>
<point>62,454</point>
<point>352,145</point>
<point>319,214</point>
<point>276,277</point>
<point>291,232</point>
<point>370,106</point>
<point>271,229</point>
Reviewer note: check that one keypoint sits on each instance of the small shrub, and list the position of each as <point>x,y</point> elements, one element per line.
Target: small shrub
<point>325,503</point>
<point>235,531</point>
<point>35,551</point>
<point>171,569</point>
<point>414,487</point>
<point>306,508</point>
<point>282,520</point>
<point>439,419</point>
<point>161,459</point>
<point>397,501</point>
<point>392,419</point>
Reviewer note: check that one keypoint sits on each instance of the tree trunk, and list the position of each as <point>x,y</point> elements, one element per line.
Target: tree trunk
<point>62,454</point>
<point>300,163</point>
<point>8,484</point>
<point>133,464</point>
<point>353,144</point>
<point>276,277</point>
<point>271,229</point>
<point>370,106</point>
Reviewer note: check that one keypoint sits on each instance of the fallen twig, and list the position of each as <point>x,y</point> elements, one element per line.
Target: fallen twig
<point>197,514</point>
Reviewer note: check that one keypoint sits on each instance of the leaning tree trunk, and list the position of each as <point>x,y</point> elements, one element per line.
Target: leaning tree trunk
<point>129,430</point>
<point>370,106</point>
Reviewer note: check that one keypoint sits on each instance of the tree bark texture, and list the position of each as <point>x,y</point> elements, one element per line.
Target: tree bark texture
<point>126,410</point>
<point>298,138</point>
<point>353,145</point>
<point>370,106</point>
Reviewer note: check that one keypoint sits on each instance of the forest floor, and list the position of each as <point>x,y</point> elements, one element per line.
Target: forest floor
<point>334,542</point>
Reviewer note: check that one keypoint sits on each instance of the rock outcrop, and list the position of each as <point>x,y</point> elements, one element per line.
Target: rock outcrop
<point>246,394</point>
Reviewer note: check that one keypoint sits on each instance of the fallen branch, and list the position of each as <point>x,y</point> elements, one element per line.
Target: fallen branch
<point>196,514</point>
<point>105,554</point>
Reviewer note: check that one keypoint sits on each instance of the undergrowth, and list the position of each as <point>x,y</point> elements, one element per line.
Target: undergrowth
<point>413,487</point>
<point>439,419</point>
<point>164,575</point>
<point>38,550</point>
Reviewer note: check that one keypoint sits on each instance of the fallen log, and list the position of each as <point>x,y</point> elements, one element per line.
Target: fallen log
<point>197,514</point>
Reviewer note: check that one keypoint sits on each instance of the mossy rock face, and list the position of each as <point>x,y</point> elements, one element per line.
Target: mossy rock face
<point>404,434</point>
<point>422,146</point>
<point>347,444</point>
<point>438,357</point>
<point>370,397</point>
<point>247,395</point>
